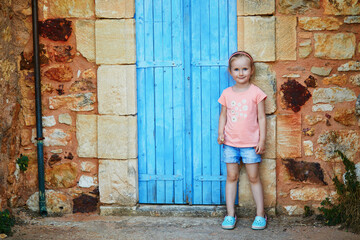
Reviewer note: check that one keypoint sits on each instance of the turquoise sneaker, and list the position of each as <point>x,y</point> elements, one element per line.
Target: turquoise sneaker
<point>229,222</point>
<point>259,223</point>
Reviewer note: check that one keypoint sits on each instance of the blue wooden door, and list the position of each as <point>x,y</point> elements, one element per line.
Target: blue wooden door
<point>182,52</point>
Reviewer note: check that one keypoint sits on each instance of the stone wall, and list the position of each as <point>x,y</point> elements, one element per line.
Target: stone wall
<point>305,53</point>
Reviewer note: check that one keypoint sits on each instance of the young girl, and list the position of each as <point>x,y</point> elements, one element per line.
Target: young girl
<point>242,129</point>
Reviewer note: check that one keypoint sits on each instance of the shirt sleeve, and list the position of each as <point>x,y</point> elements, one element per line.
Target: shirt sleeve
<point>222,99</point>
<point>260,96</point>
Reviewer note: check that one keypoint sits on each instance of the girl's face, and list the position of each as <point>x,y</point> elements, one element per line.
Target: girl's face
<point>241,70</point>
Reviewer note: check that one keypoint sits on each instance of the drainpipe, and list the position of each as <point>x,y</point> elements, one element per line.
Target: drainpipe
<point>39,130</point>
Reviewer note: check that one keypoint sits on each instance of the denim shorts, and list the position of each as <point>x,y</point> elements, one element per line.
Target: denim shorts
<point>235,155</point>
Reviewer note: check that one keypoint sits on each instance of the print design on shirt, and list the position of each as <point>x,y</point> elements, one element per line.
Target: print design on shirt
<point>238,110</point>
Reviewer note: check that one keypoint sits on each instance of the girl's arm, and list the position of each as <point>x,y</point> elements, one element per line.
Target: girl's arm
<point>260,148</point>
<point>222,122</point>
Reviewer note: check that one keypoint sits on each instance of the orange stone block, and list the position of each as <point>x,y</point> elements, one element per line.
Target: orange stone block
<point>289,135</point>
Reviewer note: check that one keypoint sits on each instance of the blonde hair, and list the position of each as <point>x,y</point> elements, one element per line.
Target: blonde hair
<point>240,54</point>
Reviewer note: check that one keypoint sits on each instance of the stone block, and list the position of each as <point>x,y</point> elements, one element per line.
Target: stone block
<point>289,135</point>
<point>319,24</point>
<point>286,37</point>
<point>267,170</point>
<point>294,210</point>
<point>306,172</point>
<point>335,46</point>
<point>118,182</point>
<point>65,118</point>
<point>74,102</point>
<point>117,89</point>
<point>313,119</point>
<point>254,30</point>
<point>270,151</point>
<point>66,9</point>
<point>333,95</point>
<point>117,137</point>
<point>308,194</point>
<point>248,7</point>
<point>60,74</point>
<point>339,80</point>
<point>85,204</point>
<point>48,121</point>
<point>61,176</point>
<point>56,202</point>
<point>352,19</point>
<point>53,137</point>
<point>305,48</point>
<point>341,7</point>
<point>322,108</point>
<point>345,117</point>
<point>115,8</point>
<point>321,71</point>
<point>308,148</point>
<point>297,6</point>
<point>355,79</point>
<point>85,38</point>
<point>86,135</point>
<point>88,166</point>
<point>265,78</point>
<point>120,35</point>
<point>87,181</point>
<point>350,66</point>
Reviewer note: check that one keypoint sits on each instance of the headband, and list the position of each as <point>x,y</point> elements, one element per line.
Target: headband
<point>242,53</point>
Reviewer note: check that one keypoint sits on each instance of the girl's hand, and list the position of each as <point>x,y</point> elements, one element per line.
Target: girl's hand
<point>221,139</point>
<point>260,148</point>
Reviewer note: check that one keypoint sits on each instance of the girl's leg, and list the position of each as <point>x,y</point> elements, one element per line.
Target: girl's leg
<point>230,189</point>
<point>252,170</point>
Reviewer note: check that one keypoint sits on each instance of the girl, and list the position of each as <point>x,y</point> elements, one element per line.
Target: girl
<point>242,130</point>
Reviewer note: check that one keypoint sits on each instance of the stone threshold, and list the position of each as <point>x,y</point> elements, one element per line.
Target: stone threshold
<point>176,210</point>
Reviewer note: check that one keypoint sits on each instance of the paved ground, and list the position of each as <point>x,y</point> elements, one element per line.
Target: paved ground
<point>85,226</point>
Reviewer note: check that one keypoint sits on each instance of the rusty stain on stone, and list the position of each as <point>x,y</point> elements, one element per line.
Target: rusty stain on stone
<point>59,74</point>
<point>311,82</point>
<point>69,156</point>
<point>85,204</point>
<point>60,90</point>
<point>55,158</point>
<point>82,85</point>
<point>58,29</point>
<point>294,95</point>
<point>63,53</point>
<point>308,132</point>
<point>305,171</point>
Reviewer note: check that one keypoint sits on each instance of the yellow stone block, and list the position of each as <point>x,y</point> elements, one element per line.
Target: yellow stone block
<point>66,9</point>
<point>289,135</point>
<point>251,7</point>
<point>115,8</point>
<point>286,37</point>
<point>85,38</point>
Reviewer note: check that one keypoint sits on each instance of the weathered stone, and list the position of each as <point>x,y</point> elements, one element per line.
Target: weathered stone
<point>311,82</point>
<point>257,29</point>
<point>61,176</point>
<point>59,74</point>
<point>313,119</point>
<point>119,144</point>
<point>347,141</point>
<point>294,210</point>
<point>345,117</point>
<point>305,48</point>
<point>339,80</point>
<point>87,181</point>
<point>82,85</point>
<point>25,137</point>
<point>341,7</point>
<point>267,170</point>
<point>309,132</point>
<point>86,135</point>
<point>88,166</point>
<point>308,194</point>
<point>289,135</point>
<point>294,95</point>
<point>352,19</point>
<point>335,46</point>
<point>55,29</point>
<point>53,137</point>
<point>65,118</point>
<point>297,6</point>
<point>75,102</point>
<point>85,38</point>
<point>318,23</point>
<point>265,78</point>
<point>67,8</point>
<point>305,171</point>
<point>48,121</point>
<point>355,79</point>
<point>118,182</point>
<point>286,38</point>
<point>308,148</point>
<point>85,204</point>
<point>357,105</point>
<point>89,74</point>
<point>55,158</point>
<point>306,35</point>
<point>322,108</point>
<point>57,151</point>
<point>120,35</point>
<point>333,95</point>
<point>270,137</point>
<point>115,8</point>
<point>56,202</point>
<point>117,89</point>
<point>350,66</point>
<point>291,75</point>
<point>321,71</point>
<point>64,54</point>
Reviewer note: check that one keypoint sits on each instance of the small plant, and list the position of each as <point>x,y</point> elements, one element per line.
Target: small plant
<point>23,162</point>
<point>6,222</point>
<point>345,209</point>
<point>308,212</point>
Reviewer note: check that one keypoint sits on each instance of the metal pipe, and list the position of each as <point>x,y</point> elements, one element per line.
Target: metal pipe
<point>39,130</point>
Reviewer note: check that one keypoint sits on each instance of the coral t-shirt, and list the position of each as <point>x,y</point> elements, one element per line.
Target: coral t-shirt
<point>242,127</point>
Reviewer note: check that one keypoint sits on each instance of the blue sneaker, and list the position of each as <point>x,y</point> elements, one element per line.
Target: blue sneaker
<point>229,222</point>
<point>259,223</point>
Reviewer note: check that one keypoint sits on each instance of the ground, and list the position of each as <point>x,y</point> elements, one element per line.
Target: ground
<point>93,226</point>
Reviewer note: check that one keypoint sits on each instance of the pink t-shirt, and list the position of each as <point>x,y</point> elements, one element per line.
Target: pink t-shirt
<point>242,127</point>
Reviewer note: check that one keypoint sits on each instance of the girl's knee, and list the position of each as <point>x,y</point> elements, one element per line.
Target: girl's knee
<point>232,177</point>
<point>254,180</point>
